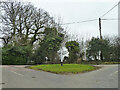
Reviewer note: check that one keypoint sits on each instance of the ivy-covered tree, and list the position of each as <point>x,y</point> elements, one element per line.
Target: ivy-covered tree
<point>96,46</point>
<point>49,45</point>
<point>74,49</point>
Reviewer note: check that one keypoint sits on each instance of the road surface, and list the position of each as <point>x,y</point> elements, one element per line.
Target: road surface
<point>20,77</point>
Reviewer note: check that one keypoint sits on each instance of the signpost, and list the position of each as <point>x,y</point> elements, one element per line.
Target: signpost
<point>46,58</point>
<point>62,58</point>
<point>63,53</point>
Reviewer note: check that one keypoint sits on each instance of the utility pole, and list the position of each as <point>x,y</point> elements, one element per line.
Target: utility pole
<point>100,28</point>
<point>101,56</point>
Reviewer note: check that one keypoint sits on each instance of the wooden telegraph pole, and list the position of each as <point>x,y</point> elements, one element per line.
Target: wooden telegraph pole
<point>100,28</point>
<point>101,56</point>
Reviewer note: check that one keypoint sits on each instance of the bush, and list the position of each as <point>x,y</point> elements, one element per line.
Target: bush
<point>16,55</point>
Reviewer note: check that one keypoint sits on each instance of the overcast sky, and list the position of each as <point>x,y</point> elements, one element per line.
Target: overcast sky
<point>79,10</point>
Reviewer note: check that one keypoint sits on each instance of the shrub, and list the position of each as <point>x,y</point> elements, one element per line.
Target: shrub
<point>16,55</point>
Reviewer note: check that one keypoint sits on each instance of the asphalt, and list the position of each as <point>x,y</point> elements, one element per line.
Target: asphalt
<point>20,77</point>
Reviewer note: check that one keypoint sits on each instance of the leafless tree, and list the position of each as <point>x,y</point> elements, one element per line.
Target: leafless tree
<point>23,23</point>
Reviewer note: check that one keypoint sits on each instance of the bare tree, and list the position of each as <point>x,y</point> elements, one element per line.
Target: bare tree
<point>23,23</point>
<point>8,16</point>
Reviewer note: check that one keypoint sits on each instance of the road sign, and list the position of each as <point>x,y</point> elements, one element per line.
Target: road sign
<point>62,53</point>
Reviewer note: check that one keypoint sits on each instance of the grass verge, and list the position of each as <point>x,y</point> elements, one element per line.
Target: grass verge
<point>65,69</point>
<point>111,63</point>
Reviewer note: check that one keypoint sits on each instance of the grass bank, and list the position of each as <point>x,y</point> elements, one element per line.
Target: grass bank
<point>65,69</point>
<point>98,62</point>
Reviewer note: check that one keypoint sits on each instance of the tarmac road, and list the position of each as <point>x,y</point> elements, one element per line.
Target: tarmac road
<point>20,77</point>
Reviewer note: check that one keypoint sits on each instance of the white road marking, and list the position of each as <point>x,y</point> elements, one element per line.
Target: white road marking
<point>17,73</point>
<point>114,73</point>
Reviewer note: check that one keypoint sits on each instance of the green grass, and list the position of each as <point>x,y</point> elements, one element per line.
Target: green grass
<point>111,63</point>
<point>65,69</point>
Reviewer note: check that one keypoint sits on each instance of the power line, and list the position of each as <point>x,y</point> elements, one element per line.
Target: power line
<point>110,19</point>
<point>110,9</point>
<point>81,21</point>
<point>96,19</point>
<point>91,20</point>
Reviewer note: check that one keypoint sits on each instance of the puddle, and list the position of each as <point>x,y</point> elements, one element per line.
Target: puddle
<point>33,77</point>
<point>2,83</point>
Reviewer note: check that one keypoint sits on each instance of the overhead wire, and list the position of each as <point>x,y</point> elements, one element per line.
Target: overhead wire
<point>81,21</point>
<point>110,10</point>
<point>110,19</point>
<point>97,19</point>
